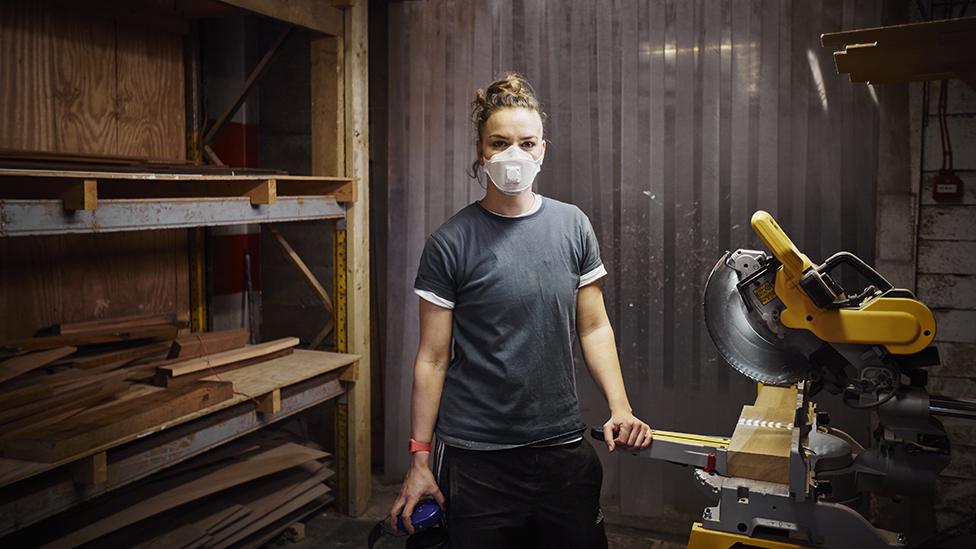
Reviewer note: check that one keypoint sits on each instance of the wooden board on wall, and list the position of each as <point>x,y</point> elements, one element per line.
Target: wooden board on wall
<point>52,279</point>
<point>74,83</point>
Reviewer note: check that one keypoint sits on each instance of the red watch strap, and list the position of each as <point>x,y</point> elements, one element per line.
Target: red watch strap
<point>417,446</point>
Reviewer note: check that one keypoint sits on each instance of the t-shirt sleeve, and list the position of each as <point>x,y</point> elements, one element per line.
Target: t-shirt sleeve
<point>591,266</point>
<point>436,276</point>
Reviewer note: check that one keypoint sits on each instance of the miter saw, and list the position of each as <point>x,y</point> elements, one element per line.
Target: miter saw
<point>787,323</point>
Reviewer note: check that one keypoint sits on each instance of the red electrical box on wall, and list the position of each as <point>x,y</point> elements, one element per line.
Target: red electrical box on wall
<point>946,187</point>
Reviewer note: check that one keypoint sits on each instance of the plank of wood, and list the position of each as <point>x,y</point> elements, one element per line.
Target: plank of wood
<point>13,367</point>
<point>229,357</point>
<point>182,536</point>
<point>282,372</point>
<point>116,323</point>
<point>92,338</point>
<point>206,343</point>
<point>93,429</point>
<point>776,397</point>
<point>129,354</point>
<point>25,402</point>
<point>154,498</point>
<point>161,379</point>
<point>273,530</point>
<point>57,408</point>
<point>53,385</point>
<point>264,497</point>
<point>358,255</point>
<point>316,16</point>
<point>217,521</point>
<point>760,445</point>
<point>150,95</point>
<point>287,506</point>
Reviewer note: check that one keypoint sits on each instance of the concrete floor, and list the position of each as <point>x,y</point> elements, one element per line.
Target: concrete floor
<point>332,530</point>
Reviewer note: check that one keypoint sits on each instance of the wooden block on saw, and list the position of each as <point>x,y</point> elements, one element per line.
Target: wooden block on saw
<point>760,445</point>
<point>776,397</point>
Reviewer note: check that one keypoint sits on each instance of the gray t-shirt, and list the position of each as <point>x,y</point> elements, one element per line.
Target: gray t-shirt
<point>512,284</point>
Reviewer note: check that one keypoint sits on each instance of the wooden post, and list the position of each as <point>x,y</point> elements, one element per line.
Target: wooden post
<point>357,260</point>
<point>198,279</point>
<point>340,147</point>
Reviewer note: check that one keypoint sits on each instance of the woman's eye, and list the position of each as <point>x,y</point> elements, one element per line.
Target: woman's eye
<point>528,145</point>
<point>499,144</point>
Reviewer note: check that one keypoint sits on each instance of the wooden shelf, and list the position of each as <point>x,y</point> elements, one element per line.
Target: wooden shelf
<point>42,202</point>
<point>933,50</point>
<point>81,190</point>
<point>47,217</point>
<point>296,382</point>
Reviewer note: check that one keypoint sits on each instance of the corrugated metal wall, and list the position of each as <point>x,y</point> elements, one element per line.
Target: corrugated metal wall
<point>670,122</point>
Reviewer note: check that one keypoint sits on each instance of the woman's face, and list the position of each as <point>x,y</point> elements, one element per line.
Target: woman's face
<point>512,126</point>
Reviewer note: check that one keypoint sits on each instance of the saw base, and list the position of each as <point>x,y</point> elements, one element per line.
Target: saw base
<point>710,539</point>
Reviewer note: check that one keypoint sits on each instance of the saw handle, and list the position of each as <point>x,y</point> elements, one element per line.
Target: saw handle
<point>774,237</point>
<point>865,270</point>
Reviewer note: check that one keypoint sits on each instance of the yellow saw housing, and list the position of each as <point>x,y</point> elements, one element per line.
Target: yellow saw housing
<point>901,325</point>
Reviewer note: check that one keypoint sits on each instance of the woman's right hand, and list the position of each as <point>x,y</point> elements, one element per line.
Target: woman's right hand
<point>418,483</point>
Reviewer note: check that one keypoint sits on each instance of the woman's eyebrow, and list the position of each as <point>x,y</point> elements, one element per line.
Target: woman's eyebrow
<point>505,137</point>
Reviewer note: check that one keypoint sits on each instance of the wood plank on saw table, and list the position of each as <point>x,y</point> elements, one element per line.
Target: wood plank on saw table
<point>760,445</point>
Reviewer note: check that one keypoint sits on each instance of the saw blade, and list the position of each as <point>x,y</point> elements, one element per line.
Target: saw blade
<point>746,343</point>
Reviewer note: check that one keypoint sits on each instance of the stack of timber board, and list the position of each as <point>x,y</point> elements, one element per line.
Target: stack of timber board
<point>83,385</point>
<point>243,494</point>
<point>124,435</point>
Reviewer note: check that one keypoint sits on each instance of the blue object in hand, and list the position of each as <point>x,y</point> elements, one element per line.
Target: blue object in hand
<point>425,515</point>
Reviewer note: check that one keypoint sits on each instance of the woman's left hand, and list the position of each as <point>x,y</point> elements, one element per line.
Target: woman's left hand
<point>625,430</point>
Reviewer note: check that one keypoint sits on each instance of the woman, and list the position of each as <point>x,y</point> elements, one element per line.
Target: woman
<point>513,279</point>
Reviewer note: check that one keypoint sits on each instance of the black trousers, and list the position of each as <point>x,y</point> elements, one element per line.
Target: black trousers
<point>524,497</point>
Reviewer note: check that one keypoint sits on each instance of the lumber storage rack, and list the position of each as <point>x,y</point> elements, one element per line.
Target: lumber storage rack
<point>288,385</point>
<point>40,200</point>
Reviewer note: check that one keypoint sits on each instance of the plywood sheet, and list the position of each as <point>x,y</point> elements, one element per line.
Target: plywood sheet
<point>54,279</point>
<point>73,83</point>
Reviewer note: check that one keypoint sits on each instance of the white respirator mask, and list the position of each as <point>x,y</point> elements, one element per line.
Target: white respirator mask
<point>512,170</point>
